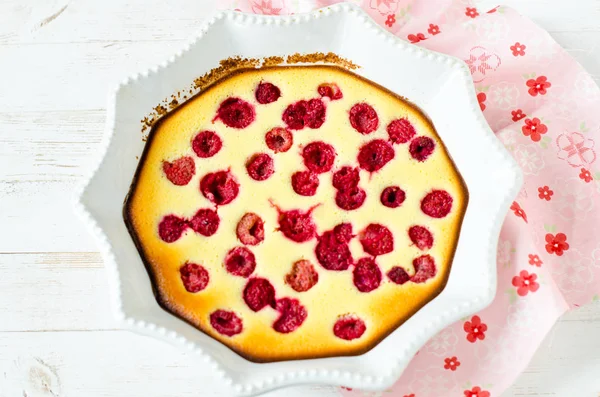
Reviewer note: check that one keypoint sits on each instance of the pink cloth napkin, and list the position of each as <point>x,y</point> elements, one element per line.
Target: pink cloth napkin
<point>545,109</point>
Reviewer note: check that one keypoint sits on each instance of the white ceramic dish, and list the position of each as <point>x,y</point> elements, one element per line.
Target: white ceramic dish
<point>438,84</point>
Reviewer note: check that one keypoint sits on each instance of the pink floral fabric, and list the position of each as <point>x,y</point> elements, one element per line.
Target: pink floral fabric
<point>544,108</point>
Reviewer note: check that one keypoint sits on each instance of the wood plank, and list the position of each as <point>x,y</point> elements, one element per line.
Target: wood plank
<point>109,364</point>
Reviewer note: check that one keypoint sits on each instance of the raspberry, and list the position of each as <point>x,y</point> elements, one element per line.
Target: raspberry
<point>260,167</point>
<point>292,315</point>
<point>305,183</point>
<point>375,154</point>
<point>194,277</point>
<point>226,322</point>
<point>302,277</point>
<point>250,229</point>
<point>424,269</point>
<point>170,228</point>
<point>219,187</point>
<point>366,275</point>
<point>297,225</point>
<point>330,90</point>
<point>318,157</point>
<point>346,178</point>
<point>259,293</point>
<point>236,113</point>
<point>304,114</point>
<point>240,261</point>
<point>332,252</point>
<point>343,232</point>
<point>392,197</point>
<point>351,199</point>
<point>421,147</point>
<point>421,237</point>
<point>267,93</point>
<point>364,118</point>
<point>206,222</point>
<point>349,327</point>
<point>437,204</point>
<point>180,171</point>
<point>398,275</point>
<point>206,144</point>
<point>377,240</point>
<point>401,131</point>
<point>279,139</point>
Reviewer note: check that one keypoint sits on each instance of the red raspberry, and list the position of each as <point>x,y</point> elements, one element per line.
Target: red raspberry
<point>398,275</point>
<point>366,275</point>
<point>349,327</point>
<point>375,154</point>
<point>194,277</point>
<point>171,228</point>
<point>304,114</point>
<point>180,171</point>
<point>343,232</point>
<point>305,183</point>
<point>292,315</point>
<point>302,277</point>
<point>364,118</point>
<point>401,131</point>
<point>421,237</point>
<point>437,204</point>
<point>421,147</point>
<point>318,157</point>
<point>351,199</point>
<point>346,178</point>
<point>260,167</point>
<point>377,240</point>
<point>250,229</point>
<point>259,293</point>
<point>332,252</point>
<point>240,261</point>
<point>226,323</point>
<point>392,197</point>
<point>206,144</point>
<point>424,269</point>
<point>297,225</point>
<point>330,90</point>
<point>219,187</point>
<point>279,139</point>
<point>267,93</point>
<point>236,113</point>
<point>206,222</point>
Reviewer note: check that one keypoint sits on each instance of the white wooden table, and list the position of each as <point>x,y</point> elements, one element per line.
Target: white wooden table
<point>57,337</point>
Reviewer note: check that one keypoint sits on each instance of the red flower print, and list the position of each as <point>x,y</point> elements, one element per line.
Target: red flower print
<point>476,392</point>
<point>534,129</point>
<point>451,363</point>
<point>391,20</point>
<point>518,49</point>
<point>534,260</point>
<point>416,38</point>
<point>346,388</point>
<point>525,283</point>
<point>585,175</point>
<point>433,29</point>
<point>493,10</point>
<point>556,244</point>
<point>265,7</point>
<point>545,193</point>
<point>475,329</point>
<point>538,86</point>
<point>481,97</point>
<point>471,12</point>
<point>518,115</point>
<point>516,208</point>
<point>410,395</point>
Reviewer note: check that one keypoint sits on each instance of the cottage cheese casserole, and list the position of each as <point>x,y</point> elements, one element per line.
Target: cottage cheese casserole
<point>296,212</point>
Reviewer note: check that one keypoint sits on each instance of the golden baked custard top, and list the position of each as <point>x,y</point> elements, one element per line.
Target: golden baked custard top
<point>296,212</point>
